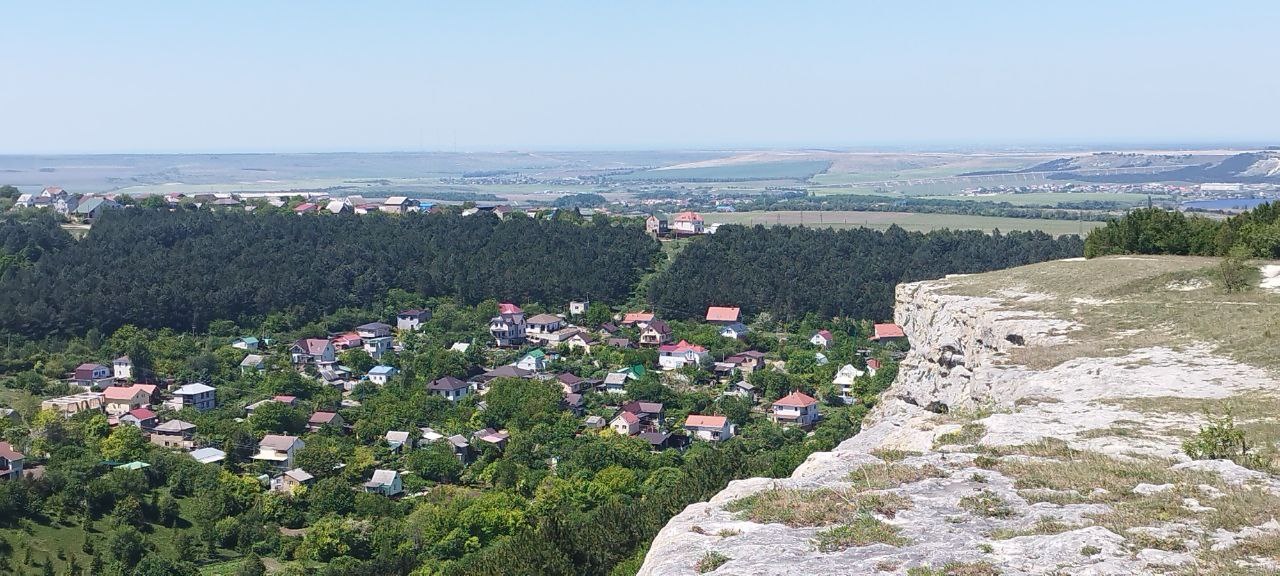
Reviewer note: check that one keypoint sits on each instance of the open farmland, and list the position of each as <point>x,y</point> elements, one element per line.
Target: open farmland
<point>799,171</point>
<point>1054,198</point>
<point>906,220</point>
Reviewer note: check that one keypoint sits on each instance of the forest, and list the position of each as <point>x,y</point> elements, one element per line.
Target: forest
<point>1255,233</point>
<point>789,272</point>
<point>184,269</point>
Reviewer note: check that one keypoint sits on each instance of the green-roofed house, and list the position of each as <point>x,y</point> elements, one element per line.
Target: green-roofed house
<point>245,343</point>
<point>535,360</point>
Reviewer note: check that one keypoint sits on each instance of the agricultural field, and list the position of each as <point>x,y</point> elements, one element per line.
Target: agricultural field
<point>1053,198</point>
<point>797,171</point>
<point>907,220</point>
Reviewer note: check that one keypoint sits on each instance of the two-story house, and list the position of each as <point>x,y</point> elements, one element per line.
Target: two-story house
<point>452,389</point>
<point>709,428</point>
<point>376,337</point>
<point>681,354</point>
<point>688,224</point>
<point>200,397</point>
<point>655,333</point>
<point>412,319</point>
<point>10,462</point>
<point>508,328</point>
<point>543,324</point>
<point>316,351</point>
<point>578,307</point>
<point>92,376</point>
<point>822,339</point>
<point>120,400</point>
<point>796,408</point>
<point>279,450</point>
<point>844,381</point>
<point>655,226</point>
<point>380,375</point>
<point>122,368</point>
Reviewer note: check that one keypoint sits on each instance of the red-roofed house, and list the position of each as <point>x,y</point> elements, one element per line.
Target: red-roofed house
<point>142,418</point>
<point>306,208</point>
<point>822,338</point>
<point>681,354</point>
<point>796,408</point>
<point>872,366</point>
<point>92,376</point>
<point>626,424</point>
<point>640,319</point>
<point>119,400</point>
<point>321,419</point>
<point>722,314</point>
<point>709,428</point>
<point>508,327</point>
<point>887,332</point>
<point>10,462</point>
<point>347,341</point>
<point>687,223</point>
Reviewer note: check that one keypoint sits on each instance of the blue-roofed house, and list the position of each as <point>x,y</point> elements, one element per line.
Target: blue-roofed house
<point>381,374</point>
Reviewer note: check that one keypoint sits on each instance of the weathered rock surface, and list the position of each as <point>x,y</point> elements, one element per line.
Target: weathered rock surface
<point>961,357</point>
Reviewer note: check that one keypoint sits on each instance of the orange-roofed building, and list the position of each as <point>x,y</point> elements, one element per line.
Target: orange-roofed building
<point>688,223</point>
<point>796,408</point>
<point>709,428</point>
<point>887,332</point>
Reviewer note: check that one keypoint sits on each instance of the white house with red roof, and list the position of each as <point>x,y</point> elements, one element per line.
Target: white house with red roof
<point>822,339</point>
<point>681,354</point>
<point>626,424</point>
<point>709,428</point>
<point>118,400</point>
<point>142,418</point>
<point>887,332</point>
<point>10,462</point>
<point>639,319</point>
<point>508,328</point>
<point>688,223</point>
<point>796,408</point>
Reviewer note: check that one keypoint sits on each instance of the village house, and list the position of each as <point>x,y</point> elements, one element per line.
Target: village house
<point>346,341</point>
<point>578,307</point>
<point>844,382</point>
<point>559,337</point>
<point>655,226</point>
<point>748,361</point>
<point>316,351</point>
<point>655,333</point>
<point>249,343</point>
<point>873,365</point>
<point>122,368</point>
<point>687,224</point>
<point>535,360</point>
<point>90,209</point>
<point>208,455</point>
<point>452,389</point>
<point>581,341</point>
<point>306,208</point>
<point>679,355</point>
<point>573,403</point>
<point>658,441</point>
<point>508,328</point>
<point>735,330</point>
<point>497,438</point>
<point>291,480</point>
<point>385,482</point>
<point>743,389</point>
<point>616,382</point>
<point>822,339</point>
<point>883,332</point>
<point>625,424</point>
<point>650,413</point>
<point>376,337</point>
<point>796,408</point>
<point>620,343</point>
<point>412,319</point>
<point>381,374</point>
<point>320,420</point>
<point>399,205</point>
<point>279,450</point>
<point>92,376</point>
<point>594,422</point>
<point>397,439</point>
<point>75,403</point>
<point>197,396</point>
<point>118,400</point>
<point>709,428</point>
<point>173,434</point>
<point>570,383</point>
<point>10,462</point>
<point>543,324</point>
<point>253,363</point>
<point>338,207</point>
<point>637,319</point>
<point>142,418</point>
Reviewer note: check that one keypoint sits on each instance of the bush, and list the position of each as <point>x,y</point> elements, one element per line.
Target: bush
<point>1220,439</point>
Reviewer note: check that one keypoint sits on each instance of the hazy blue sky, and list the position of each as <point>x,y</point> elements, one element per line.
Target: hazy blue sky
<point>323,76</point>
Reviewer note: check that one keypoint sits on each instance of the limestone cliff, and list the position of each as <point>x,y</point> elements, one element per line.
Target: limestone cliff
<point>1035,428</point>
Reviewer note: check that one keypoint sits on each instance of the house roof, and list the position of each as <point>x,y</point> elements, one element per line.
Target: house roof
<point>628,417</point>
<point>643,408</point>
<point>509,308</point>
<point>537,353</point>
<point>120,392</point>
<point>545,319</point>
<point>175,427</point>
<point>446,384</point>
<point>615,378</point>
<point>193,389</point>
<point>247,339</point>
<point>681,347</point>
<point>654,438</point>
<point>277,441</point>
<point>700,421</point>
<point>753,354</point>
<point>374,327</point>
<point>383,477</point>
<point>122,360</point>
<point>573,399</point>
<point>634,317</point>
<point>312,346</point>
<point>344,339</point>
<point>396,200</point>
<point>722,314</point>
<point>659,326</point>
<point>252,360</point>
<point>90,366</point>
<point>594,420</point>
<point>285,399</point>
<point>797,399</point>
<point>208,455</point>
<point>619,342</point>
<point>397,437</point>
<point>387,370</point>
<point>888,331</point>
<point>323,417</point>
<point>412,312</point>
<point>8,453</point>
<point>744,385</point>
<point>507,372</point>
<point>141,414</point>
<point>873,364</point>
<point>299,475</point>
<point>825,334</point>
<point>568,378</point>
<point>688,216</point>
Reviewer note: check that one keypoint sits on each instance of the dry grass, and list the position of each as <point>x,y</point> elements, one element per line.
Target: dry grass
<point>710,561</point>
<point>1043,527</point>
<point>863,531</point>
<point>821,507</point>
<point>968,435</point>
<point>987,504</point>
<point>981,568</point>
<point>891,475</point>
<point>891,455</point>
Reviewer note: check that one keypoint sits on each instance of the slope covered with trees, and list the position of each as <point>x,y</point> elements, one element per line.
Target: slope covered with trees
<point>789,272</point>
<point>184,269</point>
<point>1157,231</point>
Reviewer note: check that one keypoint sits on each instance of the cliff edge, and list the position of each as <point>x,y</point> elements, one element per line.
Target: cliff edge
<point>1035,427</point>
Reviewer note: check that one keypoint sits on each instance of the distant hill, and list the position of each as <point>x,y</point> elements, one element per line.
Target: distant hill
<point>1244,168</point>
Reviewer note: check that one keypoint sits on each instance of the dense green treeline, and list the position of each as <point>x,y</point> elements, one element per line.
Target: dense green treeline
<point>185,269</point>
<point>791,271</point>
<point>1157,231</point>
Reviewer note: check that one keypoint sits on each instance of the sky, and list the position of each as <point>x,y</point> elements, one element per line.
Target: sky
<point>315,76</point>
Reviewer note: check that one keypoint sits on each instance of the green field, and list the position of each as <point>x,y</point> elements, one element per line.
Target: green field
<point>1053,198</point>
<point>907,220</point>
<point>801,170</point>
